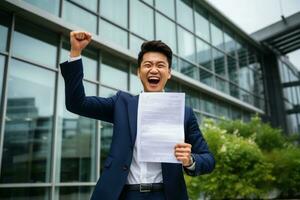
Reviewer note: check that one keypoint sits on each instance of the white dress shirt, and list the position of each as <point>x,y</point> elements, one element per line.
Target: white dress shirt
<point>141,172</point>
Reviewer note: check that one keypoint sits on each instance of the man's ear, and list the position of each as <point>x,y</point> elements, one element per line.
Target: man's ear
<point>169,76</point>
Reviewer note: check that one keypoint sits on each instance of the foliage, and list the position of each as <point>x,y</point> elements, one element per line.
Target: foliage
<point>241,169</point>
<point>253,159</point>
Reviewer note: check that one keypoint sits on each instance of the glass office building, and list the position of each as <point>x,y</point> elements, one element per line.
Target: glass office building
<point>47,152</point>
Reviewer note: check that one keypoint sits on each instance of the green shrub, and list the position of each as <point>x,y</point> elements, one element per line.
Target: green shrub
<point>241,169</point>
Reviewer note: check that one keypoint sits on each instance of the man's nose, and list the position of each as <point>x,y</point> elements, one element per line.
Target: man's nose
<point>154,70</point>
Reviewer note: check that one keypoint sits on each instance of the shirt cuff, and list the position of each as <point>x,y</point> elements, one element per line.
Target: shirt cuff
<point>192,167</point>
<point>71,59</point>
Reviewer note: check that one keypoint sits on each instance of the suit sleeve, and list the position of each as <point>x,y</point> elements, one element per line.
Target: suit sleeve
<point>204,159</point>
<point>76,100</point>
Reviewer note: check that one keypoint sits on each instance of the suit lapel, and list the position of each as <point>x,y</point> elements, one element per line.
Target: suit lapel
<point>132,117</point>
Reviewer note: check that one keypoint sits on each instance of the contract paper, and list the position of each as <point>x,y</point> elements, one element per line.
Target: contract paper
<point>160,126</point>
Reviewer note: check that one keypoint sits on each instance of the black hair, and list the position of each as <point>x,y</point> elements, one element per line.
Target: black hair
<point>155,46</point>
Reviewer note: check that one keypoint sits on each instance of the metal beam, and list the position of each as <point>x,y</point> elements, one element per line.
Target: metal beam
<point>291,84</point>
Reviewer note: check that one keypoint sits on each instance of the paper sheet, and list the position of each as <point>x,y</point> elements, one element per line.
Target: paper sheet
<point>159,126</point>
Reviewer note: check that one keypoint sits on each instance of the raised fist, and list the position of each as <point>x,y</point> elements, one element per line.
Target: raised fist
<point>79,40</point>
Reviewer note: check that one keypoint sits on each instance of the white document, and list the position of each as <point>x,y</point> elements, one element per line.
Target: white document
<point>160,126</point>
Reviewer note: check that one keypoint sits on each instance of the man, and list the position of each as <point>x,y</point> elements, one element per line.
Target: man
<point>123,176</point>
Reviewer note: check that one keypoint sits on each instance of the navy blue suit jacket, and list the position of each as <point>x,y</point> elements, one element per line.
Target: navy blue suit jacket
<point>121,110</point>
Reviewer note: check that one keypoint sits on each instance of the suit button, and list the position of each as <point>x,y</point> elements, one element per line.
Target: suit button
<point>125,167</point>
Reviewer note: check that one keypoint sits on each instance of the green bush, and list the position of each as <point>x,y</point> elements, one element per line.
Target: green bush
<point>241,169</point>
<point>265,136</point>
<point>287,171</point>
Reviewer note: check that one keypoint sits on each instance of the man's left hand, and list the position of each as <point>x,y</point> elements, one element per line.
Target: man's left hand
<point>183,153</point>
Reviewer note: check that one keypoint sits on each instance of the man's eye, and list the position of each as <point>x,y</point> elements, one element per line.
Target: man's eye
<point>161,66</point>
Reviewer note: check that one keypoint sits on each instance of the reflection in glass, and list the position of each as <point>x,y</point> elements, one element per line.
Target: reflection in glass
<point>171,86</point>
<point>203,54</point>
<point>244,78</point>
<point>4,23</point>
<point>71,193</point>
<point>219,62</point>
<point>135,44</point>
<point>51,6</point>
<point>90,4</point>
<point>206,77</point>
<point>242,55</point>
<point>141,19</point>
<point>42,43</point>
<point>106,129</point>
<point>217,34</point>
<point>189,69</point>
<point>150,2</point>
<point>113,33</point>
<point>25,193</point>
<point>166,7</point>
<point>192,98</point>
<point>79,17</point>
<point>116,68</point>
<point>168,37</point>
<point>222,85</point>
<point>232,69</point>
<point>209,106</point>
<point>28,125</point>
<point>202,24</point>
<point>234,90</point>
<point>117,14</point>
<point>2,62</point>
<point>76,142</point>
<point>185,13</point>
<point>223,110</point>
<point>136,86</point>
<point>186,45</point>
<point>229,44</point>
<point>236,114</point>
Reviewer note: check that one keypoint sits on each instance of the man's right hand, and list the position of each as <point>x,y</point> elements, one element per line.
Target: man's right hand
<point>79,40</point>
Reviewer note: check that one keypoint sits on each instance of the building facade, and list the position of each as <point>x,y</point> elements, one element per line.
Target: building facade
<point>47,152</point>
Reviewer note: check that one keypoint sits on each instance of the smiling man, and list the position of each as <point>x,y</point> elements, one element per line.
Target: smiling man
<point>124,177</point>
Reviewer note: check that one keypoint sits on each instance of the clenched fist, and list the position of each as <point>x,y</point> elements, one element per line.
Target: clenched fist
<point>183,153</point>
<point>79,40</point>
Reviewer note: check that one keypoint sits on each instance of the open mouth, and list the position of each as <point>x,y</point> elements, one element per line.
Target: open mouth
<point>153,80</point>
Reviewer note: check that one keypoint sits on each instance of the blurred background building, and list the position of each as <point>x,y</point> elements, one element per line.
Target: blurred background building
<point>47,152</point>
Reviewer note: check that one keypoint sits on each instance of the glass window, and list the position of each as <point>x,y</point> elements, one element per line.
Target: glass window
<point>90,4</point>
<point>234,90</point>
<point>113,33</point>
<point>229,43</point>
<point>141,19</point>
<point>216,34</point>
<point>167,7</point>
<point>27,193</point>
<point>232,69</point>
<point>106,129</point>
<point>171,86</point>
<point>136,85</point>
<point>135,44</point>
<point>89,60</point>
<point>202,23</point>
<point>244,79</point>
<point>186,44</point>
<point>51,6</point>
<point>2,63</point>
<point>223,110</point>
<point>206,77</point>
<point>79,17</point>
<point>185,13</point>
<point>222,85</point>
<point>203,54</point>
<point>4,23</point>
<point>209,105</point>
<point>189,69</point>
<point>219,62</point>
<point>169,37</point>
<point>242,55</point>
<point>71,193</point>
<point>42,43</point>
<point>236,114</point>
<point>76,142</point>
<point>28,124</point>
<point>192,98</point>
<point>115,10</point>
<point>150,2</point>
<point>113,69</point>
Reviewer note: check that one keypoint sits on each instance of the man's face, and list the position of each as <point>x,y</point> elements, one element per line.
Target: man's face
<point>154,71</point>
